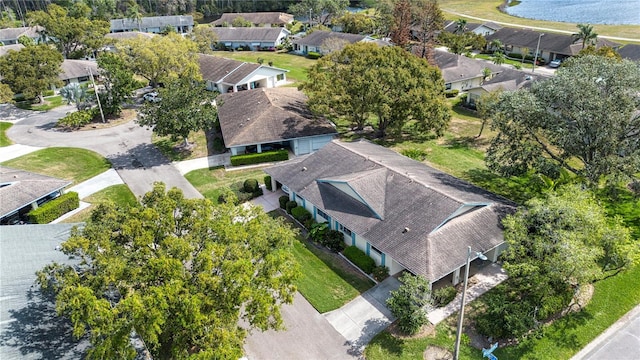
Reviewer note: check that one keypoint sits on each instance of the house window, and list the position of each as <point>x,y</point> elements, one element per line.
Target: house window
<point>280,77</point>
<point>323,214</point>
<point>376,250</point>
<point>344,229</point>
<point>83,78</point>
<point>447,86</point>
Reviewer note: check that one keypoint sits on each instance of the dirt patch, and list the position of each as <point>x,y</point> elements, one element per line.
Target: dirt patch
<point>437,353</point>
<point>125,116</point>
<point>425,331</point>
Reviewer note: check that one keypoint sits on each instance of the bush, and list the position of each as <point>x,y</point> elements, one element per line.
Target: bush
<point>380,273</point>
<point>359,258</point>
<point>237,194</point>
<point>408,301</point>
<point>443,296</point>
<point>283,200</point>
<point>415,154</point>
<point>54,208</point>
<point>48,93</point>
<point>301,214</point>
<point>451,93</point>
<point>76,119</point>
<point>334,240</point>
<point>267,182</point>
<point>313,55</point>
<point>248,159</point>
<point>251,186</point>
<point>290,205</point>
<point>317,231</point>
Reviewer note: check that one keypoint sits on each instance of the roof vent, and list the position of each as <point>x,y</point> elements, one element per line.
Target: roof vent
<point>304,168</point>
<point>406,230</point>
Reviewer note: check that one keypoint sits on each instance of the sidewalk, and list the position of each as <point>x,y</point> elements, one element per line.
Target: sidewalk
<point>269,201</point>
<point>16,150</point>
<point>203,163</point>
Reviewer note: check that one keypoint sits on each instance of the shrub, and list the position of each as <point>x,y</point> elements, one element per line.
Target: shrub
<point>54,208</point>
<point>313,55</point>
<point>408,302</point>
<point>227,196</point>
<point>251,186</point>
<point>218,144</point>
<point>301,214</point>
<point>283,201</point>
<point>290,205</point>
<point>317,231</point>
<point>443,296</point>
<point>451,93</point>
<point>380,272</point>
<point>359,258</point>
<point>248,159</point>
<point>48,93</point>
<point>415,154</point>
<point>267,182</point>
<point>76,119</point>
<point>334,240</point>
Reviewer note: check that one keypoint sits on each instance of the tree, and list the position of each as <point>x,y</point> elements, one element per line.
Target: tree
<point>485,104</point>
<point>498,58</point>
<point>323,11</point>
<point>524,52</point>
<point>160,59</point>
<point>461,26</point>
<point>26,41</point>
<point>389,82</point>
<point>133,13</point>
<point>459,43</point>
<point>408,303</point>
<point>584,119</point>
<point>357,23</point>
<point>555,245</point>
<point>586,35</point>
<point>429,21</point>
<point>118,82</point>
<point>31,70</point>
<point>6,95</point>
<point>239,21</point>
<point>606,51</point>
<point>401,26</point>
<point>185,106</point>
<point>205,38</point>
<point>74,93</point>
<point>496,45</point>
<point>71,31</point>
<point>179,272</point>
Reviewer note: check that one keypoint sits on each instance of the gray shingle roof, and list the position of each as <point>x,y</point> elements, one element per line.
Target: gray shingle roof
<point>256,18</point>
<point>558,43</point>
<point>72,69</point>
<point>217,69</point>
<point>630,52</point>
<point>15,33</point>
<point>19,188</point>
<point>318,37</point>
<point>267,115</point>
<point>151,22</point>
<point>4,50</point>
<point>511,80</point>
<point>258,34</point>
<point>444,214</point>
<point>457,67</point>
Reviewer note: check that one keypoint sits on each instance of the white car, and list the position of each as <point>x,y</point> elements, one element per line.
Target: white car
<point>152,97</point>
<point>555,63</point>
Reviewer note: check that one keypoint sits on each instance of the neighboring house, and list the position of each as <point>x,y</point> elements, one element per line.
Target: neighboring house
<point>255,38</point>
<point>402,213</point>
<point>262,19</point>
<point>506,80</point>
<point>552,46</point>
<point>78,71</point>
<point>483,29</point>
<point>226,75</point>
<point>183,24</point>
<point>4,50</point>
<point>21,191</point>
<point>115,37</point>
<point>630,52</point>
<point>315,41</point>
<point>10,36</point>
<point>462,73</point>
<point>261,119</point>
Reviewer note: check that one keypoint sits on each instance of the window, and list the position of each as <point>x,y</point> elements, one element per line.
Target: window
<point>344,229</point>
<point>280,77</point>
<point>447,86</point>
<point>376,250</point>
<point>323,214</point>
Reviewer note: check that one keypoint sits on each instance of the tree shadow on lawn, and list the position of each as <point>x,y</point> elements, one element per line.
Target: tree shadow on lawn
<point>518,189</point>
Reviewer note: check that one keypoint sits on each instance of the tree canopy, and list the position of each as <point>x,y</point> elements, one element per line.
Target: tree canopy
<point>584,119</point>
<point>184,106</point>
<point>118,82</point>
<point>407,303</point>
<point>388,82</point>
<point>161,59</point>
<point>179,272</point>
<point>205,38</point>
<point>31,70</point>
<point>322,11</point>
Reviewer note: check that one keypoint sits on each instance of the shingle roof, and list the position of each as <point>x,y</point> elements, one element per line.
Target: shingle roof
<point>259,34</point>
<point>151,22</point>
<point>19,188</point>
<point>630,52</point>
<point>72,69</point>
<point>318,37</point>
<point>129,35</point>
<point>256,18</point>
<point>217,69</point>
<point>4,50</point>
<point>15,33</point>
<point>457,67</point>
<point>267,115</point>
<point>442,214</point>
<point>510,80</point>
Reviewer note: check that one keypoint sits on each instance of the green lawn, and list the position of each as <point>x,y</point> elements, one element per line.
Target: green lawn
<point>170,148</point>
<point>72,164</point>
<point>118,194</point>
<point>515,63</point>
<point>210,182</point>
<point>4,140</point>
<point>50,103</point>
<point>296,64</point>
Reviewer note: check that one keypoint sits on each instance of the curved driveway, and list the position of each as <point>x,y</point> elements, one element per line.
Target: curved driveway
<point>128,147</point>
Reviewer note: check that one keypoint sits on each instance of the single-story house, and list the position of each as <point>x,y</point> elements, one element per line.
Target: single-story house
<point>4,50</point>
<point>484,29</point>
<point>255,38</point>
<point>154,24</point>
<point>226,75</point>
<point>402,213</point>
<point>630,52</point>
<point>505,80</point>
<point>10,36</point>
<point>261,119</point>
<point>315,42</point>
<point>21,191</point>
<point>462,73</point>
<point>78,71</point>
<point>260,19</point>
<point>552,45</point>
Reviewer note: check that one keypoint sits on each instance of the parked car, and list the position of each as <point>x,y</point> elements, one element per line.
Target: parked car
<point>555,63</point>
<point>152,97</point>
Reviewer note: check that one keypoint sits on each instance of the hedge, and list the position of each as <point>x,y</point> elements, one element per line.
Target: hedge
<point>290,205</point>
<point>76,119</point>
<point>267,182</point>
<point>283,201</point>
<point>451,93</point>
<point>251,185</point>
<point>359,258</point>
<point>301,214</point>
<point>54,208</point>
<point>313,55</point>
<point>257,158</point>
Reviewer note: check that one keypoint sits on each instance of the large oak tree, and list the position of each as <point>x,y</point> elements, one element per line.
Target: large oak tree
<point>31,70</point>
<point>179,272</point>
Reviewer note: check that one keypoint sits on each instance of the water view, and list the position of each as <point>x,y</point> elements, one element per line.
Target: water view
<point>580,11</point>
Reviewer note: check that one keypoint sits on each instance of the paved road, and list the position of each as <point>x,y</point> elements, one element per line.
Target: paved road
<point>127,146</point>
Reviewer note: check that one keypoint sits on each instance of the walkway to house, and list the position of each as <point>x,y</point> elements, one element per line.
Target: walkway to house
<point>269,201</point>
<point>203,163</point>
<point>16,150</point>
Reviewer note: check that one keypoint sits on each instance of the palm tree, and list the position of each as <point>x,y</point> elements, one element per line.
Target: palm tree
<point>525,52</point>
<point>586,35</point>
<point>496,44</point>
<point>498,58</point>
<point>461,25</point>
<point>133,13</point>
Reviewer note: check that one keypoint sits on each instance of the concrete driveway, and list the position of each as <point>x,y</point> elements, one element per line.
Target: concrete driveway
<point>127,146</point>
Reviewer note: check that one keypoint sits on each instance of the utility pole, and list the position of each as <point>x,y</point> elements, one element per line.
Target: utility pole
<point>95,91</point>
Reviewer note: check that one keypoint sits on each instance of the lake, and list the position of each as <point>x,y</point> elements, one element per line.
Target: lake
<point>621,12</point>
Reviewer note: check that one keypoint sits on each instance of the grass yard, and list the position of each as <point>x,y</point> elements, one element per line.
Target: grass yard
<point>4,139</point>
<point>118,194</point>
<point>72,164</point>
<point>488,9</point>
<point>50,102</point>
<point>297,65</point>
<point>210,182</point>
